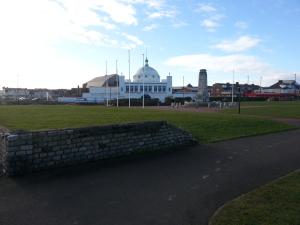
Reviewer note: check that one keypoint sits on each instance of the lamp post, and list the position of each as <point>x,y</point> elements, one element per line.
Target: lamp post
<point>183,89</point>
<point>232,87</point>
<point>18,98</point>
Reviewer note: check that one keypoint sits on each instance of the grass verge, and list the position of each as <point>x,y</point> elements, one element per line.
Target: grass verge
<point>206,127</point>
<point>277,203</point>
<point>284,109</point>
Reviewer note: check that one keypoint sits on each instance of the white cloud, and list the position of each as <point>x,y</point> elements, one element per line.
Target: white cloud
<point>241,25</point>
<point>150,27</point>
<point>218,63</point>
<point>209,24</point>
<point>51,21</point>
<point>163,14</point>
<point>243,43</point>
<point>135,41</point>
<point>31,30</point>
<point>118,12</point>
<point>212,22</point>
<point>91,37</point>
<point>86,11</point>
<point>156,4</point>
<point>178,24</point>
<point>205,8</point>
<point>211,17</point>
<point>243,64</point>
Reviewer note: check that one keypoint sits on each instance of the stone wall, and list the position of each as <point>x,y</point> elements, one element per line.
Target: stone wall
<point>33,151</point>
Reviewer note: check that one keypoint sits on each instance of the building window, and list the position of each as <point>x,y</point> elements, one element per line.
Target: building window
<point>159,88</point>
<point>141,88</point>
<point>146,88</point>
<point>127,88</point>
<point>135,88</point>
<point>169,89</point>
<point>121,89</point>
<point>150,88</point>
<point>131,88</point>
<point>155,88</point>
<point>164,88</point>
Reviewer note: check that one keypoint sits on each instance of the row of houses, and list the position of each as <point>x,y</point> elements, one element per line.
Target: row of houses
<point>282,88</point>
<point>38,93</point>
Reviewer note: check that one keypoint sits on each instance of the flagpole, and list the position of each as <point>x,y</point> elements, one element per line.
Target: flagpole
<point>117,83</point>
<point>143,80</point>
<point>129,77</point>
<point>183,87</point>
<point>106,85</point>
<point>232,86</point>
<point>260,83</point>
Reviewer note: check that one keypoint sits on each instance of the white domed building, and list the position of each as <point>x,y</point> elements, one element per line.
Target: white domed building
<point>115,86</point>
<point>150,79</point>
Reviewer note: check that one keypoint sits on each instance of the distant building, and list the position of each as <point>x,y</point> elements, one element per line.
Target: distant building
<point>114,86</point>
<point>225,89</point>
<point>38,93</point>
<point>110,87</point>
<point>15,93</point>
<point>202,90</point>
<point>283,89</point>
<point>185,92</point>
<point>283,86</point>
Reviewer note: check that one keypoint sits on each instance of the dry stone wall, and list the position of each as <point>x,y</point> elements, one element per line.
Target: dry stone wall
<point>25,152</point>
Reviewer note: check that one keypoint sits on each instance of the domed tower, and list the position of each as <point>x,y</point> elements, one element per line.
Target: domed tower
<point>202,85</point>
<point>146,74</point>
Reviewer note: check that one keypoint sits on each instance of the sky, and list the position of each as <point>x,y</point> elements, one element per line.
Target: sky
<point>65,43</point>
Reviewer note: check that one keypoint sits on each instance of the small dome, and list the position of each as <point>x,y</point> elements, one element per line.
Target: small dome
<point>151,75</point>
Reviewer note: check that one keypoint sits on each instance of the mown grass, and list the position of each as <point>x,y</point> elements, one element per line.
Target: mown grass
<point>206,127</point>
<point>277,203</point>
<point>282,109</point>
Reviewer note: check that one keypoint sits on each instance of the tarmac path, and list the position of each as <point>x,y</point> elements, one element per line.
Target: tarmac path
<point>182,187</point>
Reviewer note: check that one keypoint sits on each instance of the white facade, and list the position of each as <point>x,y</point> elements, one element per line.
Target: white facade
<point>115,86</point>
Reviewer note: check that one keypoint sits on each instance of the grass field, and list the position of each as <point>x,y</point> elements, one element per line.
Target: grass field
<point>276,203</point>
<point>207,127</point>
<point>282,109</point>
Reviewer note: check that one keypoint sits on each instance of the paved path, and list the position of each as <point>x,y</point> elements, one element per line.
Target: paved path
<point>177,188</point>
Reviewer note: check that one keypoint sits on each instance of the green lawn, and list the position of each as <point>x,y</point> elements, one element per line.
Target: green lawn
<point>207,127</point>
<point>277,203</point>
<point>283,109</point>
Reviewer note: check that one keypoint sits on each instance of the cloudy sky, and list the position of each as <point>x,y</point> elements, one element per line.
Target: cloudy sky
<point>64,43</point>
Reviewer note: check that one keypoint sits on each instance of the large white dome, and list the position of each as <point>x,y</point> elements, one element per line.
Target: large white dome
<point>151,75</point>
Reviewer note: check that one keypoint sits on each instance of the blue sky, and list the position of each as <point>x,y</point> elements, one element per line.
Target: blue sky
<point>64,43</point>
